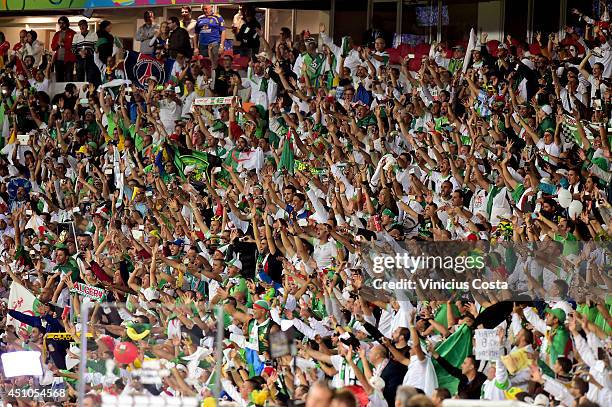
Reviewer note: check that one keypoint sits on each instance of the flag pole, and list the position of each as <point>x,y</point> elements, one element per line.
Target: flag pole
<point>219,353</point>
<point>83,360</point>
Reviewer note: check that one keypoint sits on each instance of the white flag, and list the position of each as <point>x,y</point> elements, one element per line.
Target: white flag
<point>250,160</point>
<point>468,51</point>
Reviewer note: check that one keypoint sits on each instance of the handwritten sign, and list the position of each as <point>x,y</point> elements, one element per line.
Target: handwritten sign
<point>89,291</point>
<point>487,345</point>
<point>215,101</point>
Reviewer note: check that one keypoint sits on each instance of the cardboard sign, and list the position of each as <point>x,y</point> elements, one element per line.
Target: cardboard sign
<point>487,346</point>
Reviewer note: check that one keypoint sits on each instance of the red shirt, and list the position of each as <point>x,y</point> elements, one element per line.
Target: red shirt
<point>67,45</point>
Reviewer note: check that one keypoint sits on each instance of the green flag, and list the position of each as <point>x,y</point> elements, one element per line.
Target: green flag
<point>454,349</point>
<point>194,163</point>
<point>287,158</point>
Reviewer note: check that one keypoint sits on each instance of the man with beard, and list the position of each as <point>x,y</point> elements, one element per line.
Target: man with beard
<point>549,208</point>
<point>263,90</point>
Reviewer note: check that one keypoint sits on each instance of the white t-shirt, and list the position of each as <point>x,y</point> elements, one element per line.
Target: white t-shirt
<point>169,112</point>
<point>40,86</point>
<point>345,375</point>
<point>187,102</point>
<point>323,254</point>
<point>552,149</point>
<point>597,84</point>
<point>568,104</point>
<point>415,376</point>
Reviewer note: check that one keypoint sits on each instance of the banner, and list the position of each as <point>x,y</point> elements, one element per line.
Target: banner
<point>22,300</point>
<point>486,344</point>
<point>214,101</point>
<point>89,291</point>
<point>192,164</point>
<point>140,67</point>
<point>17,5</point>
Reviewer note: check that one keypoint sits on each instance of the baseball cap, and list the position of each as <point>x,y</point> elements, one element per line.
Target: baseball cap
<point>557,312</point>
<point>235,263</point>
<point>177,242</point>
<point>540,400</point>
<point>262,304</point>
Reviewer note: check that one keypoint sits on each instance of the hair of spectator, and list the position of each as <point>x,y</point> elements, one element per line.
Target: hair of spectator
<point>404,394</point>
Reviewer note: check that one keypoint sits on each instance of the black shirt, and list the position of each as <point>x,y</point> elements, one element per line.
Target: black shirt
<point>222,81</point>
<point>467,389</point>
<point>179,42</point>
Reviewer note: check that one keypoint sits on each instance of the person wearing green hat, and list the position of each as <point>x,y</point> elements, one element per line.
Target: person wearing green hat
<point>388,218</point>
<point>556,336</point>
<point>258,325</point>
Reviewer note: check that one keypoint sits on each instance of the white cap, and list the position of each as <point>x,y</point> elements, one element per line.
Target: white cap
<point>541,400</point>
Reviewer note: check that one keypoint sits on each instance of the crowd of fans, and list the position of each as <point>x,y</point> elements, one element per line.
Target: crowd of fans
<point>275,206</point>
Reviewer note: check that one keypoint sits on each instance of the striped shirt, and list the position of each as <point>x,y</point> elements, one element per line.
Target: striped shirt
<point>87,41</point>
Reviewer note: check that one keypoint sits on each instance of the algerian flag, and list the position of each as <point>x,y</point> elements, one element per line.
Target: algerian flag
<point>468,53</point>
<point>287,158</point>
<point>249,160</point>
<point>22,300</point>
<point>454,349</point>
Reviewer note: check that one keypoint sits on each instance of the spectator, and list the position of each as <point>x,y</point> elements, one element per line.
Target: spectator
<point>210,29</point>
<point>160,39</point>
<point>178,41</point>
<point>248,35</point>
<point>221,76</point>
<point>4,48</point>
<point>22,40</point>
<point>32,47</point>
<point>63,58</point>
<point>83,46</point>
<point>189,24</point>
<point>106,41</point>
<point>146,33</point>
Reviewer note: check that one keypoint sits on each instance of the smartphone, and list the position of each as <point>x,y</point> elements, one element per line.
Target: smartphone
<point>597,104</point>
<point>28,212</point>
<point>411,56</point>
<point>23,139</point>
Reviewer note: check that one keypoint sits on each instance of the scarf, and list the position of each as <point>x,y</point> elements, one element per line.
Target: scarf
<point>254,334</point>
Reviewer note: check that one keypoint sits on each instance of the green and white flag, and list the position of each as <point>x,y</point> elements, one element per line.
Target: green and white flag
<point>213,101</point>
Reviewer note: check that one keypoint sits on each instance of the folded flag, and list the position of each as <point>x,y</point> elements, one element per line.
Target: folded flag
<point>287,158</point>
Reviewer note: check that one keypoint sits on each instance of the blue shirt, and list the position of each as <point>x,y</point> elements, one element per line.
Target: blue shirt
<point>209,29</point>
